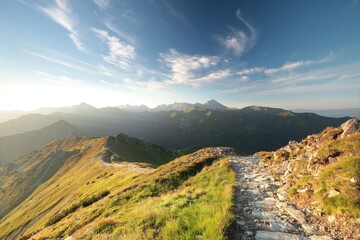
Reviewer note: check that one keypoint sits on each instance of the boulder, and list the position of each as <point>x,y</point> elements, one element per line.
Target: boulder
<point>349,127</point>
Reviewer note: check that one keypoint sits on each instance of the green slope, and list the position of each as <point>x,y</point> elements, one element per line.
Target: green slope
<point>92,199</point>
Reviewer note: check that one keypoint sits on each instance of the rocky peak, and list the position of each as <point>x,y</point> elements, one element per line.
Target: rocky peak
<point>349,127</point>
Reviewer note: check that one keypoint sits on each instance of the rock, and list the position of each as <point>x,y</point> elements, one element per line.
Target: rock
<point>241,223</point>
<point>267,235</point>
<point>315,237</point>
<point>282,196</point>
<point>262,215</point>
<point>297,214</point>
<point>332,159</point>
<point>250,233</point>
<point>331,218</point>
<point>333,193</point>
<point>267,203</point>
<point>281,226</point>
<point>353,180</point>
<point>357,221</point>
<point>350,126</point>
<point>302,190</point>
<point>308,229</point>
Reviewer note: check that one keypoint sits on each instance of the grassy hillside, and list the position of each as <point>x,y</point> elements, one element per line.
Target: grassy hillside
<point>125,148</point>
<point>91,199</point>
<point>13,147</point>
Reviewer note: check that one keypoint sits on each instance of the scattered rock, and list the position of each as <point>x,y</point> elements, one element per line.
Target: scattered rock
<point>297,214</point>
<point>308,229</point>
<point>331,218</point>
<point>332,159</point>
<point>333,193</point>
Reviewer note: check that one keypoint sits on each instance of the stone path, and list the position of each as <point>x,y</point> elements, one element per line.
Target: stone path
<point>263,213</point>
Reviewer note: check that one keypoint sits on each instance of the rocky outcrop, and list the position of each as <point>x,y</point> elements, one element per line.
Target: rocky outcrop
<point>350,127</point>
<point>311,172</point>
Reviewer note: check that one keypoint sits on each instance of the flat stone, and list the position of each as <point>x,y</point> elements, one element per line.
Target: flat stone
<point>241,223</point>
<point>267,203</point>
<point>253,191</point>
<point>320,238</point>
<point>262,215</point>
<point>280,226</point>
<point>267,235</point>
<point>297,214</point>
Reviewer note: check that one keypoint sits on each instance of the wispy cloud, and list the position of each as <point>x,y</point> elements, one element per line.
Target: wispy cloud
<point>315,80</point>
<point>175,13</point>
<point>120,53</point>
<point>102,3</point>
<point>189,69</point>
<point>128,37</point>
<point>289,66</point>
<point>237,40</point>
<point>62,60</point>
<point>59,79</point>
<point>62,15</point>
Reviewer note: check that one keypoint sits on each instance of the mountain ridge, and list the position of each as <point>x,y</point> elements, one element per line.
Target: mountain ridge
<point>14,146</point>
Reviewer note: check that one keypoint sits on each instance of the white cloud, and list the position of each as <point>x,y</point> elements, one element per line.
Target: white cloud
<point>212,77</point>
<point>120,54</point>
<point>237,40</point>
<point>251,71</point>
<point>289,66</point>
<point>184,67</point>
<point>102,3</point>
<point>62,15</point>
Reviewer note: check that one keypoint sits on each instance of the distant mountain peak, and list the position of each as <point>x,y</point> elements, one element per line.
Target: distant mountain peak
<point>213,104</point>
<point>184,106</point>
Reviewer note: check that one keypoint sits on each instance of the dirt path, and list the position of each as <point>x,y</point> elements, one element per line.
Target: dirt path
<point>263,213</point>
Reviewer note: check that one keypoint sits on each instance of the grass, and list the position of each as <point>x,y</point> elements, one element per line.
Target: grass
<point>190,197</point>
<point>83,203</point>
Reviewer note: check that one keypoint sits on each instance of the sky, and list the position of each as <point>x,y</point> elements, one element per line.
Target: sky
<point>283,53</point>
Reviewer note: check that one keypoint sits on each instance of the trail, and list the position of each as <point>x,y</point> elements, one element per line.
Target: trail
<point>263,213</point>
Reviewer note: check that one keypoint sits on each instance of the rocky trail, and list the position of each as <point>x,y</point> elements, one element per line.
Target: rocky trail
<point>263,212</point>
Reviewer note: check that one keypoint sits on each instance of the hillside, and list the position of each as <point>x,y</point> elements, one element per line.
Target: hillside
<point>13,147</point>
<point>320,174</point>
<point>124,148</point>
<point>88,198</point>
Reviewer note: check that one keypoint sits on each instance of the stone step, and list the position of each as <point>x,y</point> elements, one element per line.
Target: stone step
<point>268,235</point>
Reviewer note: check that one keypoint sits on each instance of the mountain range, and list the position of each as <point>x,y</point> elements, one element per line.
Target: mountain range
<point>183,106</point>
<point>248,129</point>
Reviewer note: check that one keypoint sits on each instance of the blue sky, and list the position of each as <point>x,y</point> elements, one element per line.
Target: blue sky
<point>289,54</point>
